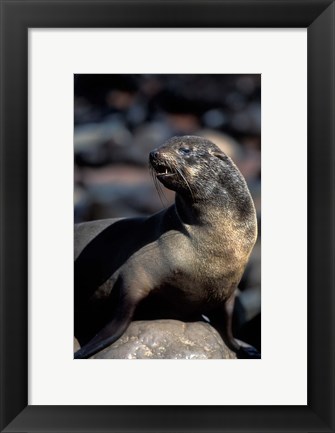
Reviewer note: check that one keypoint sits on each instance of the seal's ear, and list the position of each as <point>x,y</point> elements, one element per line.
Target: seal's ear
<point>220,155</point>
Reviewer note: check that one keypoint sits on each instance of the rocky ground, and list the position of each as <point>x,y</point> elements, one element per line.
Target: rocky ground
<point>167,339</point>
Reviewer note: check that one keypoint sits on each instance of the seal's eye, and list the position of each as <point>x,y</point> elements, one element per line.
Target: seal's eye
<point>184,150</point>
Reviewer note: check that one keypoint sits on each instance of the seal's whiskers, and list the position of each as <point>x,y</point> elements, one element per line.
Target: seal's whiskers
<point>158,188</point>
<point>187,184</point>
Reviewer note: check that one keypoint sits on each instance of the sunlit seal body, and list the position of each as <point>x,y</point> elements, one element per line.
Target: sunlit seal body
<point>181,263</point>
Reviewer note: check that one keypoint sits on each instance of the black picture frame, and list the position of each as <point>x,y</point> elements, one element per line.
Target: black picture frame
<point>17,17</point>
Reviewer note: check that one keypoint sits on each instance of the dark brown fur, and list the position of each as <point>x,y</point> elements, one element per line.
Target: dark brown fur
<point>180,263</point>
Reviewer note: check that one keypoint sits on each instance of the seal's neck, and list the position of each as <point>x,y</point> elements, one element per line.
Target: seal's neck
<point>212,212</point>
<point>190,212</point>
<point>213,224</point>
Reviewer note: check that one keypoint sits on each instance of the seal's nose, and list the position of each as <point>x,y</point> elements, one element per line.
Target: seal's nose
<point>153,154</point>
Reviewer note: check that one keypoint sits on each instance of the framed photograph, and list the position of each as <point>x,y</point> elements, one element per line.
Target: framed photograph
<point>272,65</point>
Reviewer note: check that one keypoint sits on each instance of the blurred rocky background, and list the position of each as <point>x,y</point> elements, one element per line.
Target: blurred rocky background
<point>119,119</point>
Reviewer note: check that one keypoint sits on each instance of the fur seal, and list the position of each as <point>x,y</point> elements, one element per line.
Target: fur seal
<point>180,263</point>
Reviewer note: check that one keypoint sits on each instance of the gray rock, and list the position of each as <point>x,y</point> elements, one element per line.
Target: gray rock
<point>76,345</point>
<point>168,339</point>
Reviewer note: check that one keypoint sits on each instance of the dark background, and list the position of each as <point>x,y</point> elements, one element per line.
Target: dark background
<point>119,119</point>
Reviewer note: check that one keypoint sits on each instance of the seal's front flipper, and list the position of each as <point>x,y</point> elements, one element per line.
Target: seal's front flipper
<point>107,336</point>
<point>110,333</point>
<point>248,352</point>
<point>222,319</point>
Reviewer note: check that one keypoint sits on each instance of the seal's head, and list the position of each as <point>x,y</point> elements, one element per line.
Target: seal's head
<point>197,169</point>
